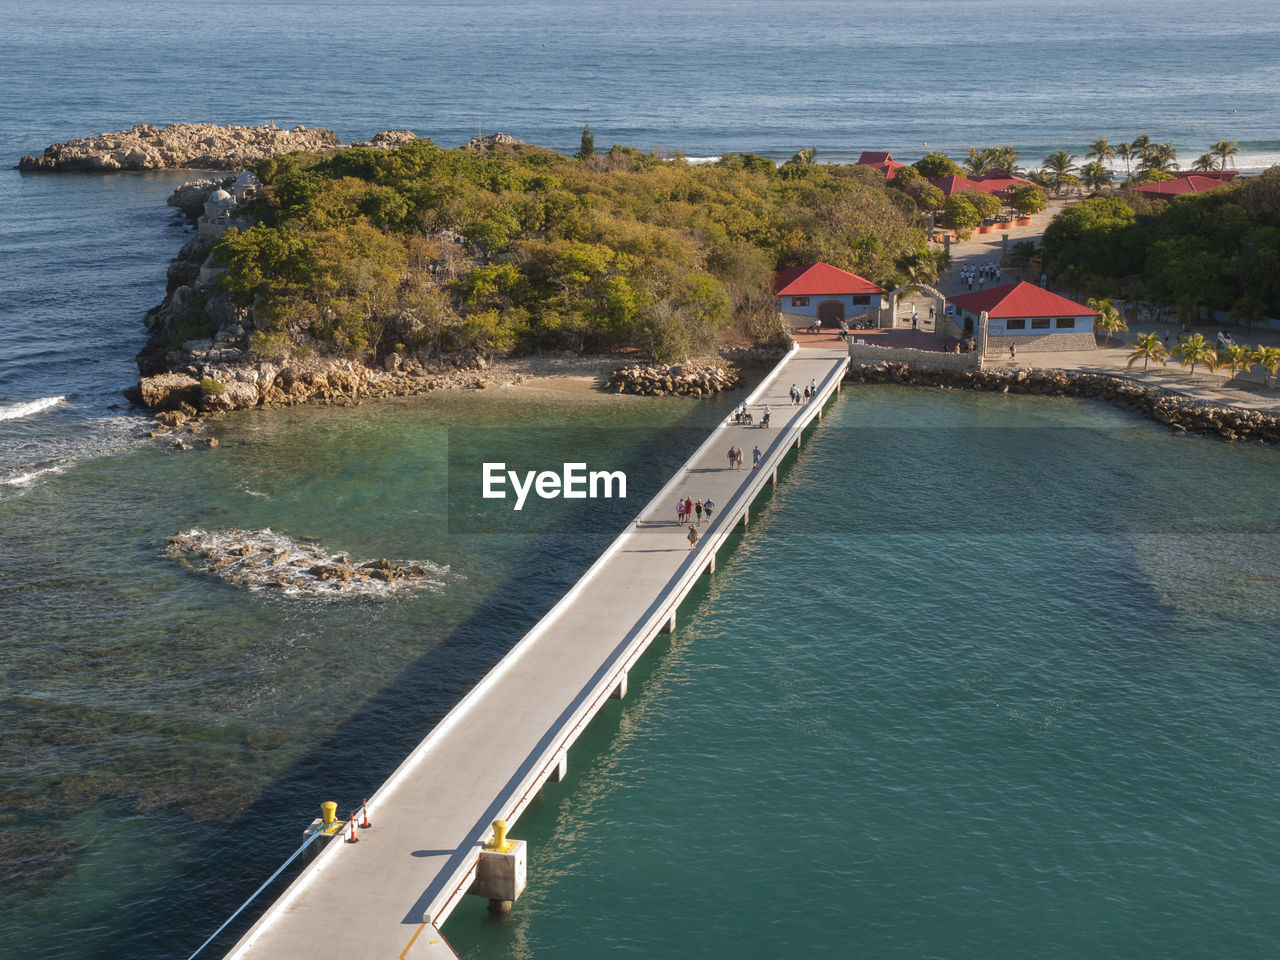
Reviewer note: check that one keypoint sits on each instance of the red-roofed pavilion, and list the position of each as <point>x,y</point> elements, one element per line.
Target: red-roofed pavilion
<point>1179,186</point>
<point>883,162</point>
<point>1027,317</point>
<point>821,291</point>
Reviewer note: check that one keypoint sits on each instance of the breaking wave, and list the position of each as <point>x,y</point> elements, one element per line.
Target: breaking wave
<point>15,411</point>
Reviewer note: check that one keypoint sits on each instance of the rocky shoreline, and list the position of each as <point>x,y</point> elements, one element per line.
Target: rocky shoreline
<point>1177,411</point>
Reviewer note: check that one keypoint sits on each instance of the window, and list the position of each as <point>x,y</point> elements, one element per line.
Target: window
<point>1039,323</point>
<point>799,301</point>
<point>861,301</point>
<point>1018,324</point>
<point>1068,323</point>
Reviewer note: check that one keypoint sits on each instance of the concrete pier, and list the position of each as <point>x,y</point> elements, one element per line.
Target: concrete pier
<point>388,895</point>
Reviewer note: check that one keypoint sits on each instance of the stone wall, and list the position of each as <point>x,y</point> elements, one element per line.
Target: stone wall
<point>1180,412</point>
<point>925,359</point>
<point>998,346</point>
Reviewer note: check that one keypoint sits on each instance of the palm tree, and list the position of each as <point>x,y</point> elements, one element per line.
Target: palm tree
<point>1060,164</point>
<point>804,157</point>
<point>1006,158</point>
<point>1237,357</point>
<point>1022,253</point>
<point>1103,151</point>
<point>1095,176</point>
<point>1160,157</point>
<point>1140,145</point>
<point>1205,163</point>
<point>1224,150</point>
<point>1126,153</point>
<point>979,161</point>
<point>1148,347</point>
<point>1109,319</point>
<point>1041,178</point>
<point>1268,358</point>
<point>1195,349</point>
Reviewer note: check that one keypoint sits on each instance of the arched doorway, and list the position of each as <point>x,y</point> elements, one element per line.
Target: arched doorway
<point>831,312</point>
<point>968,324</point>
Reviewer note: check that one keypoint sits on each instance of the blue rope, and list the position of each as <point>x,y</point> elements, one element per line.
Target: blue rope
<point>264,886</point>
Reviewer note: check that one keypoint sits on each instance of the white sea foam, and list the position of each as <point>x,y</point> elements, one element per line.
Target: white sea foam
<point>15,411</point>
<point>264,560</point>
<point>28,478</point>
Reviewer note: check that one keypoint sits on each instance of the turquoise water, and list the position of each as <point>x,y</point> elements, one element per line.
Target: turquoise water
<point>878,737</point>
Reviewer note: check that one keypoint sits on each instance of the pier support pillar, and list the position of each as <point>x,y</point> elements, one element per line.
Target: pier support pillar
<point>501,871</point>
<point>620,690</point>
<point>743,520</point>
<point>773,478</point>
<point>711,565</point>
<point>559,769</point>
<point>670,625</point>
<point>797,441</point>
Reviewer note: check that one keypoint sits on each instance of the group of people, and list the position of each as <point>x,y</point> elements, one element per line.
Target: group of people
<point>810,391</point>
<point>687,510</point>
<point>981,272</point>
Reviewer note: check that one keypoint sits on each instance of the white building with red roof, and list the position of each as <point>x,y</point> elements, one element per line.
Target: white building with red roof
<point>1027,317</point>
<point>826,293</point>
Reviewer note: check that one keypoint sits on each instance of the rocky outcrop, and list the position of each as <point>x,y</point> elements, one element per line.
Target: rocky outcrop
<point>493,142</point>
<point>261,559</point>
<point>387,140</point>
<point>761,355</point>
<point>203,146</point>
<point>663,380</point>
<point>1176,410</point>
<point>190,197</point>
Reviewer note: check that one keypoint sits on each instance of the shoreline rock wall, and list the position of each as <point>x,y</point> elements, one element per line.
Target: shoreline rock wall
<point>1178,411</point>
<point>671,380</point>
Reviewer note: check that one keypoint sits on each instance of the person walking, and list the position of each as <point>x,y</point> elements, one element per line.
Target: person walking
<point>697,510</point>
<point>1013,354</point>
<point>806,396</point>
<point>795,396</point>
<point>731,456</point>
<point>688,510</point>
<point>707,507</point>
<point>692,536</point>
<point>680,512</point>
<point>755,459</point>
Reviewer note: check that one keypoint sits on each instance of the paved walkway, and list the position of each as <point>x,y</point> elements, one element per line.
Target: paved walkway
<point>386,896</point>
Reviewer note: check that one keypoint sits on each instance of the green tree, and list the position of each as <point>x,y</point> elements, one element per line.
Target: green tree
<point>1225,151</point>
<point>1095,176</point>
<point>935,165</point>
<point>1148,347</point>
<point>1160,158</point>
<point>1109,320</point>
<point>1027,198</point>
<point>1249,310</point>
<point>1205,163</point>
<point>1140,145</point>
<point>1125,152</point>
<point>1237,357</point>
<point>587,146</point>
<point>1195,350</point>
<point>979,162</point>
<point>959,213</point>
<point>1060,165</point>
<point>1101,151</point>
<point>804,157</point>
<point>1268,358</point>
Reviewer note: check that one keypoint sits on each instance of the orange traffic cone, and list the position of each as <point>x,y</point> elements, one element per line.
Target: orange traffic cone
<point>353,838</point>
<point>364,810</point>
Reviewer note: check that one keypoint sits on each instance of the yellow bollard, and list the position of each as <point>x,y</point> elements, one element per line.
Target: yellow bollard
<point>328,812</point>
<point>500,843</point>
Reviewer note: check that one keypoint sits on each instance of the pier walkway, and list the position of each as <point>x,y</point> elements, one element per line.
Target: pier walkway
<point>387,896</point>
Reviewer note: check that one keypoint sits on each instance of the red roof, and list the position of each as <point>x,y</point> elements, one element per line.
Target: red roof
<point>883,162</point>
<point>986,184</point>
<point>1192,183</point>
<point>820,279</point>
<point>1020,300</point>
